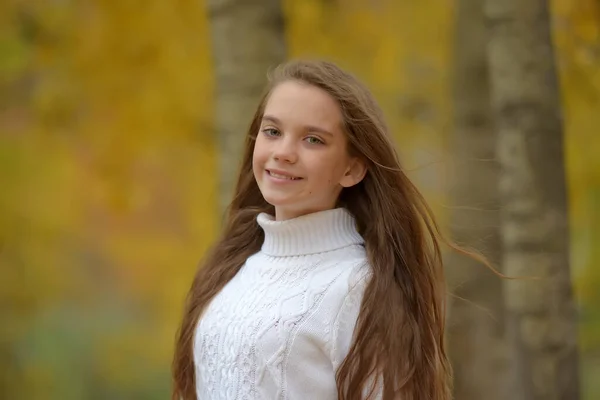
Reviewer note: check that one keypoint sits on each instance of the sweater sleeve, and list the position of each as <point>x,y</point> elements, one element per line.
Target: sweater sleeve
<point>345,323</point>
<point>344,328</point>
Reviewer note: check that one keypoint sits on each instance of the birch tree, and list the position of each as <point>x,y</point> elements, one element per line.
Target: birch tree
<point>475,331</point>
<point>541,313</point>
<point>247,39</point>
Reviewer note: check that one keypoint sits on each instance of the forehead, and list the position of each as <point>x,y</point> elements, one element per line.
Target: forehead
<point>295,102</point>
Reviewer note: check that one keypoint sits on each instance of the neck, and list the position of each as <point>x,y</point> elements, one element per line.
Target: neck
<point>309,234</point>
<point>283,213</point>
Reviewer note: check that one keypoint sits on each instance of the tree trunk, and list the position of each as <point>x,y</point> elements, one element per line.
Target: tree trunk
<point>475,329</point>
<point>541,321</point>
<point>247,40</point>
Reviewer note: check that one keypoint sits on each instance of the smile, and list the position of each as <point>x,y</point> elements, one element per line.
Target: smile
<point>281,175</point>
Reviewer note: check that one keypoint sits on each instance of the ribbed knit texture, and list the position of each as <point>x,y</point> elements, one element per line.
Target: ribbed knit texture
<point>281,327</point>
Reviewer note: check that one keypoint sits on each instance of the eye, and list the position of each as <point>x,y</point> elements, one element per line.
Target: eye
<point>272,132</point>
<point>314,140</point>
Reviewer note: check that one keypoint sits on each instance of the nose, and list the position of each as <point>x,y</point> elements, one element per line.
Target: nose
<point>285,151</point>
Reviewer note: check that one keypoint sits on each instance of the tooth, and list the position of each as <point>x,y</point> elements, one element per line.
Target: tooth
<point>273,174</point>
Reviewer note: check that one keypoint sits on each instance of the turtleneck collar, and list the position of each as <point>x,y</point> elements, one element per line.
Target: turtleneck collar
<point>309,234</point>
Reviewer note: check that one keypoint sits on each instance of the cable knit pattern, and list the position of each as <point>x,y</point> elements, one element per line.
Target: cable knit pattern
<point>283,324</point>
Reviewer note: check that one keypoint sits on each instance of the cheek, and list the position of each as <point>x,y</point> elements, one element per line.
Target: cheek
<point>257,163</point>
<point>327,172</point>
<point>258,156</point>
<point>261,148</point>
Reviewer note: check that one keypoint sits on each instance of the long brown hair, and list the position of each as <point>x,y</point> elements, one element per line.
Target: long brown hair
<point>399,336</point>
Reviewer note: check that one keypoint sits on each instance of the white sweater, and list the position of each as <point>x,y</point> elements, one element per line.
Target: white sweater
<point>282,326</point>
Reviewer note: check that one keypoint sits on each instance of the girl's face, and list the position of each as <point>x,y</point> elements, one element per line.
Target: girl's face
<point>301,161</point>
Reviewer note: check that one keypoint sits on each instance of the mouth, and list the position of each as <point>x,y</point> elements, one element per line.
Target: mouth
<point>282,175</point>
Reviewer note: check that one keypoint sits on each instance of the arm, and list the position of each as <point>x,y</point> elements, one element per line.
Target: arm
<point>344,326</point>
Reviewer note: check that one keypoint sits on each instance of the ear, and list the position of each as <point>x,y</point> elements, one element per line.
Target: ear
<point>356,171</point>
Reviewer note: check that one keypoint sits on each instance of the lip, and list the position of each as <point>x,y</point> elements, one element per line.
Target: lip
<point>269,171</point>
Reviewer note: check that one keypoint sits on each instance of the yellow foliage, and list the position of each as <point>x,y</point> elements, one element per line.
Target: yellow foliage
<point>577,37</point>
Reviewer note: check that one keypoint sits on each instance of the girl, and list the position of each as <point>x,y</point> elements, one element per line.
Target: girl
<point>327,282</point>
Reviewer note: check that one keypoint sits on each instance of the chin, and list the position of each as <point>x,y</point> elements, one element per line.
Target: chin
<point>281,200</point>
<point>277,201</point>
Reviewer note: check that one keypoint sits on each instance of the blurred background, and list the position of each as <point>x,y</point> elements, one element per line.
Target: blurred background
<point>119,131</point>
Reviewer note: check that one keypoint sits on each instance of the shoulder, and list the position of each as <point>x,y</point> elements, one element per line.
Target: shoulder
<point>352,280</point>
<point>353,271</point>
<point>349,288</point>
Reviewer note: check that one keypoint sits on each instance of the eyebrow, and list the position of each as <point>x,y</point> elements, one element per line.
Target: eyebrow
<point>310,128</point>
